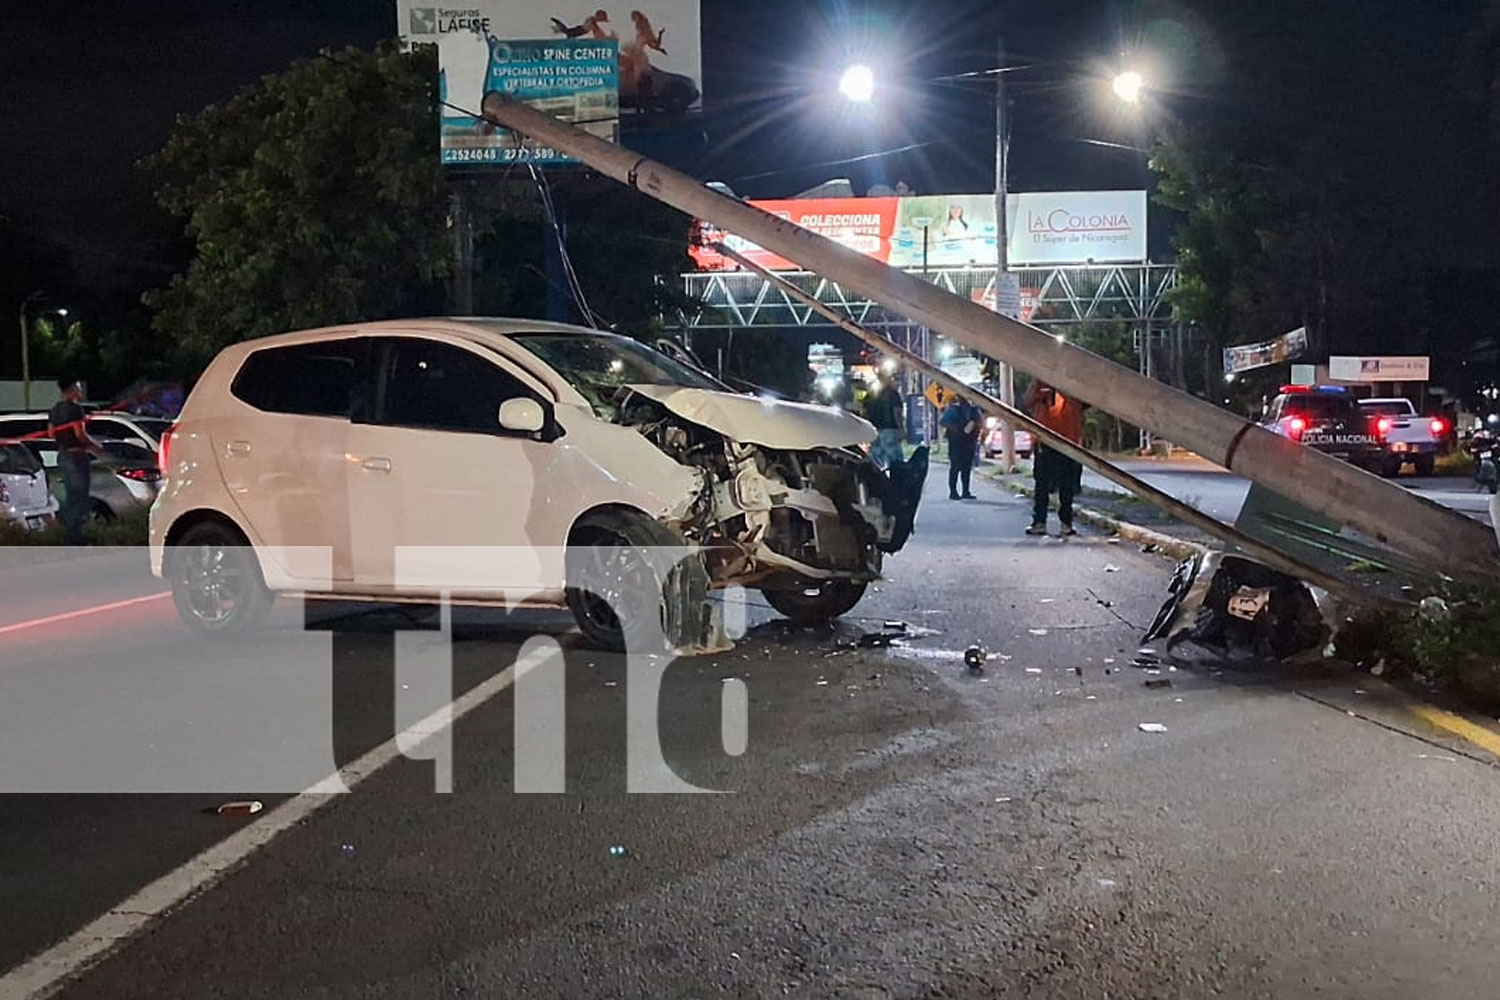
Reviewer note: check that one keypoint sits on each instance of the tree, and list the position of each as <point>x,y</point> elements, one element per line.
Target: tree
<point>314,196</point>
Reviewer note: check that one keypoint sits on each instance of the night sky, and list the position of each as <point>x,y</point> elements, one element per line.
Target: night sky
<point>89,88</point>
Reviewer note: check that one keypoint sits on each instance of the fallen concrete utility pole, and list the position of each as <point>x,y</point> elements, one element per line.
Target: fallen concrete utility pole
<point>1440,538</point>
<point>1249,546</point>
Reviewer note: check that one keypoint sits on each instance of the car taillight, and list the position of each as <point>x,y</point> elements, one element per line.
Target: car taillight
<point>1439,427</point>
<point>164,453</point>
<point>1296,425</point>
<point>140,475</point>
<point>1383,426</point>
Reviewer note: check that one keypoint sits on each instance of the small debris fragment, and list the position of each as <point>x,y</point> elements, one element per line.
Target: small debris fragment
<point>875,640</point>
<point>1048,600</point>
<point>822,684</point>
<point>618,851</point>
<point>347,850</point>
<point>1003,798</point>
<point>1106,883</point>
<point>1150,547</point>
<point>974,658</point>
<point>610,684</point>
<point>1436,756</point>
<point>1037,631</point>
<point>1111,568</point>
<point>1077,671</point>
<point>1378,668</point>
<point>894,626</point>
<point>243,807</point>
<point>1090,697</point>
<point>1159,682</point>
<point>1033,670</point>
<point>1151,727</point>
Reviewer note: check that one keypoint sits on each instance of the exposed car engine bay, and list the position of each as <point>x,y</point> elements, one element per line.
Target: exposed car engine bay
<point>765,514</point>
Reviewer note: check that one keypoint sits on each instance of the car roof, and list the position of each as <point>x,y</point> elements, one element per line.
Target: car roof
<point>1387,399</point>
<point>479,328</point>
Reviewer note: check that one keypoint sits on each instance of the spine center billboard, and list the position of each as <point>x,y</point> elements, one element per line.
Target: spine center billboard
<point>1045,228</point>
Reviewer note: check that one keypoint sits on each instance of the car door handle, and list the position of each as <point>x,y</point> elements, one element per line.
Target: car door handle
<point>239,447</point>
<point>376,465</point>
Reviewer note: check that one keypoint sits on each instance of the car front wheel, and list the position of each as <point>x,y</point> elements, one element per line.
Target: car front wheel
<point>216,582</point>
<point>817,602</point>
<point>629,591</point>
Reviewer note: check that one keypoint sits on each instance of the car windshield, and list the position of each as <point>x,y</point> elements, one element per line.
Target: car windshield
<point>598,364</point>
<point>18,460</point>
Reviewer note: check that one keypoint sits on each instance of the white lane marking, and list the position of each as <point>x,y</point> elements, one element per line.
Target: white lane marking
<point>97,609</point>
<point>45,974</point>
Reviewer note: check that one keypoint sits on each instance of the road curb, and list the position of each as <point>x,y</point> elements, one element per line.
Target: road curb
<point>1168,545</point>
<point>1175,547</point>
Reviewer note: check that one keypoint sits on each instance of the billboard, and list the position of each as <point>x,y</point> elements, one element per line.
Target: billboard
<point>556,52</point>
<point>1244,357</point>
<point>912,232</point>
<point>574,80</point>
<point>1378,369</point>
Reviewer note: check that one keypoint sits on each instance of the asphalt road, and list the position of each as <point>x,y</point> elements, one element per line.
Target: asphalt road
<point>1220,493</point>
<point>894,827</point>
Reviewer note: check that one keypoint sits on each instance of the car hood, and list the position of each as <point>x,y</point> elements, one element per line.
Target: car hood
<point>767,422</point>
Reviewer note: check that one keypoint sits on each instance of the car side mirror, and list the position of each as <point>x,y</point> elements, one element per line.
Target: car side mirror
<point>522,415</point>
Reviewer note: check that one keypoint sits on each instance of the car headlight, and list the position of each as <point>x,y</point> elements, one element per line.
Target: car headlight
<point>992,422</point>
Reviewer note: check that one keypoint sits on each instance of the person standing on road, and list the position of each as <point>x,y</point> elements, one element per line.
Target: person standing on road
<point>885,411</point>
<point>960,423</point>
<point>75,453</point>
<point>1050,468</point>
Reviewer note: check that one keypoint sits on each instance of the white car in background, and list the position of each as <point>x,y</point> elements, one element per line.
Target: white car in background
<point>25,498</point>
<point>103,425</point>
<point>994,439</point>
<point>302,462</point>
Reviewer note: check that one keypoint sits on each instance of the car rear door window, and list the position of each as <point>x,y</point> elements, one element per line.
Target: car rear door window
<point>18,460</point>
<point>430,384</point>
<point>105,429</point>
<point>19,427</point>
<point>316,380</point>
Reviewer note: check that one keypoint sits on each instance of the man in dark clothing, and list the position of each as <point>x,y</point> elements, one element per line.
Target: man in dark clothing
<point>75,451</point>
<point>960,422</point>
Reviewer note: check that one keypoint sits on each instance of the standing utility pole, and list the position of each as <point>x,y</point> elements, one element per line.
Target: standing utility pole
<point>1005,373</point>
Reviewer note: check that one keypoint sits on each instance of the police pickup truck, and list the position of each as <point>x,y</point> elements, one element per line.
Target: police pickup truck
<point>1327,418</point>
<point>1404,435</point>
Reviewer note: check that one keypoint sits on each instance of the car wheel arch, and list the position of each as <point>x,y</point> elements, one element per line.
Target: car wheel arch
<point>192,519</point>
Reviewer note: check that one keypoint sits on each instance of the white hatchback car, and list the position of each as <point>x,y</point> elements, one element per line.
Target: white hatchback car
<point>506,457</point>
<point>25,497</point>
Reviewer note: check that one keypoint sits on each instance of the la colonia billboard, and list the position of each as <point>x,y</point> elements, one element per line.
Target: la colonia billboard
<point>1046,228</point>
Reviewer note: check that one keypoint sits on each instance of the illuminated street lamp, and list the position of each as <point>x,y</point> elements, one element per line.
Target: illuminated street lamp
<point>1128,86</point>
<point>858,83</point>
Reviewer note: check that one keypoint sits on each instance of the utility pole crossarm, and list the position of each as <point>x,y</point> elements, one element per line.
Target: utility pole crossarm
<point>1446,541</point>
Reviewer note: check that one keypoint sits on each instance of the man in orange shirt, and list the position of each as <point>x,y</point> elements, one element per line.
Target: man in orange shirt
<point>1051,469</point>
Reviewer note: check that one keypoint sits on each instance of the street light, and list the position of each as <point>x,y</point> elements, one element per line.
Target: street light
<point>1128,86</point>
<point>858,83</point>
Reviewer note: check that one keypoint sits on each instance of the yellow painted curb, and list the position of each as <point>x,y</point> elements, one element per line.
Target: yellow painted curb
<point>1457,725</point>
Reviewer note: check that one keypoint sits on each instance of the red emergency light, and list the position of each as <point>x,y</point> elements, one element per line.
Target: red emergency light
<point>1439,427</point>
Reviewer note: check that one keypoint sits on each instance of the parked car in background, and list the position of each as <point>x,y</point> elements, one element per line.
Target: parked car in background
<point>1405,435</point>
<point>125,479</point>
<point>994,439</point>
<point>26,499</point>
<point>103,425</point>
<point>1326,418</point>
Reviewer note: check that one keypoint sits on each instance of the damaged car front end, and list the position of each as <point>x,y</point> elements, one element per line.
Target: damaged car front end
<point>790,503</point>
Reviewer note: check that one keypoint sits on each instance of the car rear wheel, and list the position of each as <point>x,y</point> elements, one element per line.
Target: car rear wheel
<point>626,591</point>
<point>101,514</point>
<point>817,602</point>
<point>1390,467</point>
<point>1426,464</point>
<point>216,581</point>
